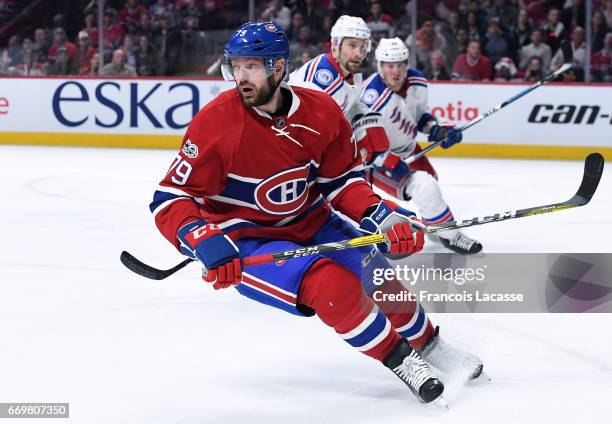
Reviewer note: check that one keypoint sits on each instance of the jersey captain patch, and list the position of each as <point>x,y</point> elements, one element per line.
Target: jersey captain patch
<point>324,76</point>
<point>285,192</point>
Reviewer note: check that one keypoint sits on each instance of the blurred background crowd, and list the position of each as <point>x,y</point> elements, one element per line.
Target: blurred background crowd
<point>501,40</point>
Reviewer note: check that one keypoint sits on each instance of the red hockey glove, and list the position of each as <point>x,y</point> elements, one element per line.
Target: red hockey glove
<point>398,224</point>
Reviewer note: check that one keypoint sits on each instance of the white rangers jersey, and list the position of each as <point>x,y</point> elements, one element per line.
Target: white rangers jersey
<point>402,116</point>
<point>324,74</point>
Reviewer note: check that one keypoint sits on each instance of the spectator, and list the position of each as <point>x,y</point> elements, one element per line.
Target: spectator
<point>404,22</point>
<point>303,45</point>
<point>505,70</point>
<point>481,16</point>
<point>534,71</point>
<point>90,27</point>
<point>94,64</point>
<point>554,29</point>
<point>168,42</point>
<point>505,12</point>
<point>472,26</point>
<point>442,10</point>
<point>573,15</point>
<point>161,10</point>
<point>427,40</point>
<point>149,60</point>
<point>598,31</point>
<point>113,33</point>
<point>601,62</point>
<point>15,50</point>
<point>191,16</point>
<point>536,9</point>
<point>437,70</point>
<point>62,64</point>
<point>578,48</point>
<point>297,22</point>
<point>146,27</point>
<point>313,16</point>
<point>472,65</point>
<point>4,62</point>
<point>607,11</point>
<point>28,44</point>
<point>118,67</point>
<point>536,48</point>
<point>129,50</point>
<point>278,13</point>
<point>60,40</point>
<point>462,40</point>
<point>380,22</point>
<point>325,43</point>
<point>84,53</point>
<point>523,28</point>
<point>495,45</point>
<point>41,44</point>
<point>29,67</point>
<point>130,15</point>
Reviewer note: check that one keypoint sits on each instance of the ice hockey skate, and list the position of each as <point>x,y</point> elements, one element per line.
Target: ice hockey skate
<point>406,363</point>
<point>460,243</point>
<point>450,360</point>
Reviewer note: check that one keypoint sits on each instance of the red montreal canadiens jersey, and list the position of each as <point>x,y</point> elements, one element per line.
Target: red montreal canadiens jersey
<point>255,175</point>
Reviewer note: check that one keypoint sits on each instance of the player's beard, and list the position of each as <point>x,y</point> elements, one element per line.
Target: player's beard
<point>262,95</point>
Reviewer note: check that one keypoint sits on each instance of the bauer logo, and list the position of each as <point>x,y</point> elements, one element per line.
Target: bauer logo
<point>190,149</point>
<point>324,76</point>
<point>285,192</point>
<point>370,96</point>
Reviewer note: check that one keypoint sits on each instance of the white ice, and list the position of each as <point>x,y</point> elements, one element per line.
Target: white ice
<point>76,326</point>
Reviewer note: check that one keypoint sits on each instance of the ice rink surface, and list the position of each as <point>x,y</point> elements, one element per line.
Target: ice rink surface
<point>76,326</point>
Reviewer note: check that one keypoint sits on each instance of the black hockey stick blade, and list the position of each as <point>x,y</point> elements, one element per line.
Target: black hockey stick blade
<point>148,271</point>
<point>593,169</point>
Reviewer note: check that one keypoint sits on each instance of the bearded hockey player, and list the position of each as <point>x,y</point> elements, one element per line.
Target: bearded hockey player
<point>399,94</point>
<point>335,74</point>
<point>259,168</point>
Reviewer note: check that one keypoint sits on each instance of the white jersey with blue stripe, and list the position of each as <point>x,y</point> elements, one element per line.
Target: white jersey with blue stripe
<point>324,74</point>
<point>402,117</point>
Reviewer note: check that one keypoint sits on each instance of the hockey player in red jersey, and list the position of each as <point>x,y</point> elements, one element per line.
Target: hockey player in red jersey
<point>257,172</point>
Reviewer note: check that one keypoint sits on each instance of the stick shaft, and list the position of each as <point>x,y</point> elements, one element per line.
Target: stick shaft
<point>494,109</point>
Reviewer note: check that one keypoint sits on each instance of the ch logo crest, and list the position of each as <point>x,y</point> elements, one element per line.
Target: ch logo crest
<point>285,192</point>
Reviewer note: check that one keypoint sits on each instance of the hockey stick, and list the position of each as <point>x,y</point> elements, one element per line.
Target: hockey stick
<point>566,48</point>
<point>593,169</point>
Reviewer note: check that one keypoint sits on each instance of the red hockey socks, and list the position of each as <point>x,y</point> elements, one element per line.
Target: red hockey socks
<point>337,297</point>
<point>407,316</point>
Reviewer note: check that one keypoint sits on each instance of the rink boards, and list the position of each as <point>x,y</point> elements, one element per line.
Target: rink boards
<point>556,121</point>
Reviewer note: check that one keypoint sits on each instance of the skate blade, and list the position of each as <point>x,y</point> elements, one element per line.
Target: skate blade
<point>442,402</point>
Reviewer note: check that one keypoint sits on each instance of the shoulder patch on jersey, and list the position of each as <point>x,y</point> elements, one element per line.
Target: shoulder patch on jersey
<point>190,149</point>
<point>370,95</point>
<point>324,76</point>
<point>411,72</point>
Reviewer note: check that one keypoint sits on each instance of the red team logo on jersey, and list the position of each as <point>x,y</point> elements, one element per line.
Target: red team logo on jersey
<point>285,192</point>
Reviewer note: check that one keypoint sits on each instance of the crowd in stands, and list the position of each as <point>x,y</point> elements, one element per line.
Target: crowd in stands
<point>487,40</point>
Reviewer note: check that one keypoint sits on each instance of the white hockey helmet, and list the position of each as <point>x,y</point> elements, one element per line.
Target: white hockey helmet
<point>350,26</point>
<point>390,50</point>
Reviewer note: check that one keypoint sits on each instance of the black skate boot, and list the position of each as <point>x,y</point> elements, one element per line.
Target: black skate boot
<point>406,363</point>
<point>461,243</point>
<point>450,360</point>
